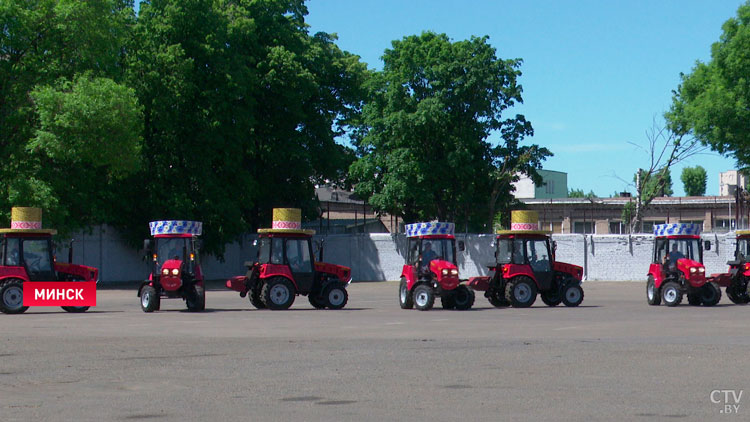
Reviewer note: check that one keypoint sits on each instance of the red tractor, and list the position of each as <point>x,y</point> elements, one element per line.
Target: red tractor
<point>431,269</point>
<point>285,267</point>
<point>26,256</point>
<point>736,280</point>
<point>525,266</point>
<point>677,268</point>
<point>175,268</point>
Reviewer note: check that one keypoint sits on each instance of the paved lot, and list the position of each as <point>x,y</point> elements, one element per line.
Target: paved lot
<point>613,358</point>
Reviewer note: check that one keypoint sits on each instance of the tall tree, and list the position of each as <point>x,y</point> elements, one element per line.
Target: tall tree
<point>242,108</point>
<point>694,180</point>
<point>68,125</point>
<point>712,102</point>
<point>424,147</point>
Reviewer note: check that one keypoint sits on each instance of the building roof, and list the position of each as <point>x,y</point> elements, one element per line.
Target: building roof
<point>621,201</point>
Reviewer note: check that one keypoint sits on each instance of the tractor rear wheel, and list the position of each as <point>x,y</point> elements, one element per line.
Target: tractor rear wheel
<point>736,295</point>
<point>278,293</point>
<point>75,309</point>
<point>150,299</point>
<point>447,300</point>
<point>653,295</point>
<point>424,297</point>
<point>254,296</point>
<point>463,298</point>
<point>496,297</point>
<point>710,294</point>
<point>552,297</point>
<point>11,297</point>
<point>196,299</point>
<point>405,299</point>
<point>572,295</point>
<point>335,295</point>
<point>521,292</point>
<point>671,294</point>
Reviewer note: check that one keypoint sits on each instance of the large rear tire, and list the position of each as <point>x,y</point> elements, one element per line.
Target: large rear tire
<point>463,297</point>
<point>278,293</point>
<point>521,292</point>
<point>150,299</point>
<point>671,294</point>
<point>405,299</point>
<point>75,309</point>
<point>11,297</point>
<point>424,297</point>
<point>653,295</point>
<point>552,297</point>
<point>710,294</point>
<point>736,294</point>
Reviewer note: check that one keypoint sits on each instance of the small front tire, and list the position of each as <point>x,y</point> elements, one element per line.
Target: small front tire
<point>653,295</point>
<point>335,296</point>
<point>671,294</point>
<point>196,299</point>
<point>572,295</point>
<point>150,299</point>
<point>424,297</point>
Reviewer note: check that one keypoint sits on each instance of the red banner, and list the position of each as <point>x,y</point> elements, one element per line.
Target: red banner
<point>59,293</point>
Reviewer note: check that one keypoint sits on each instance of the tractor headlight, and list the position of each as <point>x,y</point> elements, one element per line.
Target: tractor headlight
<point>701,270</point>
<point>165,271</point>
<point>693,270</point>
<point>454,272</point>
<point>445,271</point>
<point>175,271</point>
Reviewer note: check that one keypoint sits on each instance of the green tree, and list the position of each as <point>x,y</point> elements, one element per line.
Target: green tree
<point>242,108</point>
<point>424,147</point>
<point>65,116</point>
<point>694,180</point>
<point>711,102</point>
<point>654,184</point>
<point>578,193</point>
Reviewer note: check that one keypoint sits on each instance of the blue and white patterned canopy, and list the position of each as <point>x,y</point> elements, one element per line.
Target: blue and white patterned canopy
<point>194,228</point>
<point>423,229</point>
<point>677,229</point>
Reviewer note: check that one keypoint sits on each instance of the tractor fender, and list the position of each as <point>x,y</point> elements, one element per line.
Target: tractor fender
<point>13,272</point>
<point>144,284</point>
<point>407,273</point>
<point>275,270</point>
<point>513,270</point>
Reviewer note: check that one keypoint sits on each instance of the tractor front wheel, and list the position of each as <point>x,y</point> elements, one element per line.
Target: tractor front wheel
<point>335,295</point>
<point>254,296</point>
<point>404,296</point>
<point>653,295</point>
<point>11,297</point>
<point>572,295</point>
<point>424,297</point>
<point>552,297</point>
<point>737,295</point>
<point>75,309</point>
<point>710,294</point>
<point>496,297</point>
<point>278,293</point>
<point>150,299</point>
<point>463,298</point>
<point>671,294</point>
<point>196,299</point>
<point>521,292</point>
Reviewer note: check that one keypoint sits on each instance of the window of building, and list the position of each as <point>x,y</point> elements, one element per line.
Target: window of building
<point>723,225</point>
<point>583,227</point>
<point>648,226</point>
<point>550,186</point>
<point>615,227</point>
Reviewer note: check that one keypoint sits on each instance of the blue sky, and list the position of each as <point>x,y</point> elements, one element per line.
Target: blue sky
<point>595,74</point>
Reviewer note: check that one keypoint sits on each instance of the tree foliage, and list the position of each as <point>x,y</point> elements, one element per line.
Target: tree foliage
<point>713,101</point>
<point>578,193</point>
<point>424,148</point>
<point>68,125</point>
<point>694,180</point>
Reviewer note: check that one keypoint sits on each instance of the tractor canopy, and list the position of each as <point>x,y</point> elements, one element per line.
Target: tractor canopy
<point>677,246</point>
<point>174,251</point>
<point>432,249</point>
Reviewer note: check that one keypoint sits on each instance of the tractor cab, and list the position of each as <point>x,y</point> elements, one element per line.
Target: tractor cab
<point>285,267</point>
<point>677,267</point>
<point>174,268</point>
<point>431,269</point>
<point>27,255</point>
<point>515,253</point>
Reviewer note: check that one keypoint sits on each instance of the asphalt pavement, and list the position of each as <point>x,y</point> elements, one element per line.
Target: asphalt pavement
<point>612,358</point>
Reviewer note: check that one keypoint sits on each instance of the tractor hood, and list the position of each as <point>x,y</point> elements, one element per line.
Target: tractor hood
<point>693,271</point>
<point>170,274</point>
<point>344,274</point>
<point>446,273</point>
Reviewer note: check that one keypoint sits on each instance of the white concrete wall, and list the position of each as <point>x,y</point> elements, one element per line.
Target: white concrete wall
<point>375,257</point>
